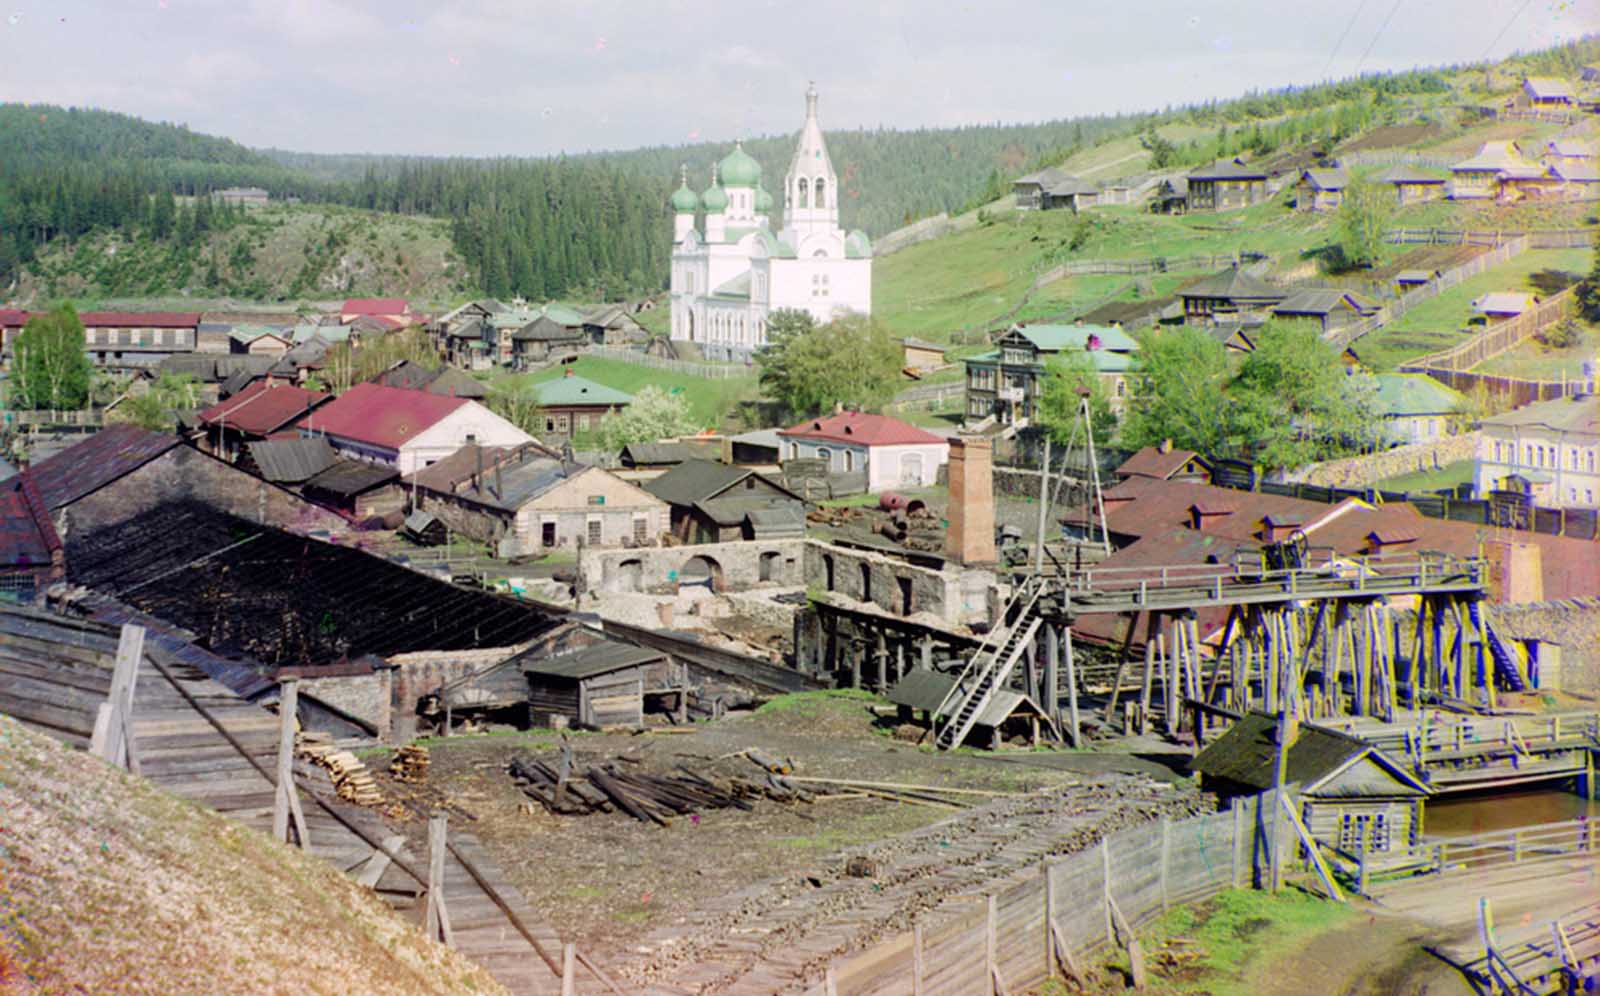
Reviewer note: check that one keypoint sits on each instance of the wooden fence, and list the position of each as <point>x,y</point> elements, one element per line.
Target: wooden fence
<point>88,418</point>
<point>1388,157</point>
<point>709,371</point>
<point>1143,265</point>
<point>1514,391</point>
<point>931,395</point>
<point>1550,238</point>
<point>1497,338</point>
<point>1501,253</point>
<point>1028,926</point>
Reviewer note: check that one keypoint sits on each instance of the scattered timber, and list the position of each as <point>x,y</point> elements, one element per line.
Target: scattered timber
<point>649,798</point>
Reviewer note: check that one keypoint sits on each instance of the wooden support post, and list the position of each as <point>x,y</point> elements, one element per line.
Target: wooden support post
<point>286,799</point>
<point>1280,760</point>
<point>1310,843</point>
<point>991,942</point>
<point>437,922</point>
<point>916,960</point>
<point>569,969</point>
<point>1238,844</point>
<point>1149,673</point>
<point>1169,658</point>
<point>1105,864</point>
<point>382,856</point>
<point>1050,691</point>
<point>1049,919</point>
<point>1073,726</point>
<point>113,728</point>
<point>1122,663</point>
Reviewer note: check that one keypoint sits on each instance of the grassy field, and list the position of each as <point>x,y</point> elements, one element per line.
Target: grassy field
<point>1447,476</point>
<point>1439,323</point>
<point>709,400</point>
<point>1534,360</point>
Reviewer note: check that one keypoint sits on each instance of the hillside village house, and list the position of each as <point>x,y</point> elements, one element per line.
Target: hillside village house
<point>31,553</point>
<point>406,430</point>
<point>252,340</point>
<point>1051,188</point>
<point>557,333</point>
<point>261,411</point>
<point>525,500</point>
<point>1412,184</point>
<point>1330,308</point>
<point>1320,190</point>
<point>1549,451</point>
<point>728,278</point>
<point>1171,196</point>
<point>716,503</point>
<point>1567,150</point>
<point>1498,171</point>
<point>1500,306</point>
<point>892,453</point>
<point>1007,382</point>
<point>919,357</point>
<point>250,197</point>
<point>1225,185</point>
<point>1415,408</point>
<point>1541,93</point>
<point>394,308</point>
<point>1228,296</point>
<point>1577,179</point>
<point>571,404</point>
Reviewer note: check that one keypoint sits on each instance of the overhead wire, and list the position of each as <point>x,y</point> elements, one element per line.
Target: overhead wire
<point>1381,29</point>
<point>1344,35</point>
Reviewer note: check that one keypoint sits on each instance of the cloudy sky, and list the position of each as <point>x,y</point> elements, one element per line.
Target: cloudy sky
<point>502,77</point>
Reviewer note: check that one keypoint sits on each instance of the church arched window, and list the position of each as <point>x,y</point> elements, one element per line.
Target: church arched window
<point>822,192</point>
<point>801,193</point>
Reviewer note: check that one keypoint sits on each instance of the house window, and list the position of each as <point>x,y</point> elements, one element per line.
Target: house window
<point>641,528</point>
<point>547,534</point>
<point>826,457</point>
<point>1588,496</point>
<point>594,532</point>
<point>1589,462</point>
<point>549,424</point>
<point>1353,827</point>
<point>849,461</point>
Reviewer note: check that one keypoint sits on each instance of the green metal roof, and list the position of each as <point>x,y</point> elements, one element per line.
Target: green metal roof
<point>563,315</point>
<point>857,245</point>
<point>763,199</point>
<point>715,199</point>
<point>738,169</point>
<point>1055,338</point>
<point>684,200</point>
<point>575,390</point>
<point>1413,394</point>
<point>737,289</point>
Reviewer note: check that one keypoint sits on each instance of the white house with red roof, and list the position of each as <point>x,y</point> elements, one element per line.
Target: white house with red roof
<point>394,309</point>
<point>406,429</point>
<point>894,454</point>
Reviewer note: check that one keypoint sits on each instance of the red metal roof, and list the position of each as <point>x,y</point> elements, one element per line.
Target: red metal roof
<point>140,319</point>
<point>1152,462</point>
<point>374,306</point>
<point>862,429</point>
<point>27,536</point>
<point>386,417</point>
<point>109,454</point>
<point>263,408</point>
<point>12,318</point>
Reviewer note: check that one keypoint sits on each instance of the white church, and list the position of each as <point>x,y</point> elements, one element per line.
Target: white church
<point>728,278</point>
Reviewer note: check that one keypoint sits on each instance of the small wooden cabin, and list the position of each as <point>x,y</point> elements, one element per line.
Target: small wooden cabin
<point>1349,791</point>
<point>1008,713</point>
<point>604,684</point>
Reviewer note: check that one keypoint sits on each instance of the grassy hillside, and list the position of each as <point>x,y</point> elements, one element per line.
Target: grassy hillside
<point>279,253</point>
<point>111,885</point>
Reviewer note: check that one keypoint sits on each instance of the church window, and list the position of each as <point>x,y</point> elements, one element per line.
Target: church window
<point>822,192</point>
<point>800,200</point>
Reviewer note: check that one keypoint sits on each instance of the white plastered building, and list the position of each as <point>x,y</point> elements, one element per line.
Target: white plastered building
<point>730,275</point>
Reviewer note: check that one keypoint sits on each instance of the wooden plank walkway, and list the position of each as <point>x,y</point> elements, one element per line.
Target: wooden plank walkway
<point>54,673</point>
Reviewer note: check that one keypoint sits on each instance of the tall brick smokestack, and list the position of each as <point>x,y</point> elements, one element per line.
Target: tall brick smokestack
<point>970,538</point>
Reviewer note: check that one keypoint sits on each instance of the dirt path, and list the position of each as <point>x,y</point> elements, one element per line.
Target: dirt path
<point>1379,954</point>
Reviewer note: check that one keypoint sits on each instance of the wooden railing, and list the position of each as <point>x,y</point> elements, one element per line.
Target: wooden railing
<point>1496,339</point>
<point>1504,847</point>
<point>87,417</point>
<point>1322,568</point>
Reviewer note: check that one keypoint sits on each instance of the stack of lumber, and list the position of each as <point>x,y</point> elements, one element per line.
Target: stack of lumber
<point>410,764</point>
<point>351,778</point>
<point>652,798</point>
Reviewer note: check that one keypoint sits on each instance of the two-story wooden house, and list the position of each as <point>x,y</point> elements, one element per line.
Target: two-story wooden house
<point>130,341</point>
<point>1008,381</point>
<point>1228,296</point>
<point>1225,185</point>
<point>1320,190</point>
<point>1412,184</point>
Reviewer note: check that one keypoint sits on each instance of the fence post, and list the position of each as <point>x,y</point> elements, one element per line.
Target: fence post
<point>916,959</point>
<point>990,942</point>
<point>1105,893</point>
<point>437,917</point>
<point>1049,919</point>
<point>1238,840</point>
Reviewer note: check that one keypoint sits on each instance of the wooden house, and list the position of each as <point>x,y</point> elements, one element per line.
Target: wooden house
<point>1008,712</point>
<point>921,357</point>
<point>1226,185</point>
<point>1542,93</point>
<point>1409,280</point>
<point>359,489</point>
<point>1320,190</point>
<point>571,404</point>
<point>1413,185</point>
<point>1171,196</point>
<point>31,555</point>
<point>602,685</point>
<point>1331,308</point>
<point>1352,795</point>
<point>1228,295</point>
<point>1165,463</point>
<point>713,503</point>
<point>1050,188</point>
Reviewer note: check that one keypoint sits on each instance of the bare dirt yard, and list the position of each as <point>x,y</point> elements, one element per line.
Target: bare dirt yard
<point>730,899</point>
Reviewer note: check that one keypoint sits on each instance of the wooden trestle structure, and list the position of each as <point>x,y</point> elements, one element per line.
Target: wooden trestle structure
<point>1325,639</point>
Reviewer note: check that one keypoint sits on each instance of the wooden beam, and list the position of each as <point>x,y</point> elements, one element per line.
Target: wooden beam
<point>437,917</point>
<point>1310,843</point>
<point>112,739</point>
<point>373,868</point>
<point>285,798</point>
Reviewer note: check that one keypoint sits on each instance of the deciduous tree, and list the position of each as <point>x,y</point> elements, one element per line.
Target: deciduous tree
<point>654,414</point>
<point>851,360</point>
<point>49,368</point>
<point>1068,378</point>
<point>1363,216</point>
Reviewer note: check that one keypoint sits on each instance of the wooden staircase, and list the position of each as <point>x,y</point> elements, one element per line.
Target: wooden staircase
<point>990,668</point>
<point>1509,666</point>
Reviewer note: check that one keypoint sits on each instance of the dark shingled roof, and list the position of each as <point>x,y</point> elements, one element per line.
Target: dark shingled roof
<point>1234,284</point>
<point>290,461</point>
<point>453,382</point>
<point>1227,169</point>
<point>545,328</point>
<point>598,658</point>
<point>695,481</point>
<point>351,477</point>
<point>1246,755</point>
<point>1152,462</point>
<point>106,456</point>
<point>27,536</point>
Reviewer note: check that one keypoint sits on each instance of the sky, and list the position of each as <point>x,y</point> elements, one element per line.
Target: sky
<point>508,78</point>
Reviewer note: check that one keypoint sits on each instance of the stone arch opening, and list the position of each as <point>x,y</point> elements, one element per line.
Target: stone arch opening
<point>767,566</point>
<point>701,571</point>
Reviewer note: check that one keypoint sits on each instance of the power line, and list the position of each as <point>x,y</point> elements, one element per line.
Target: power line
<point>1381,29</point>
<point>1515,14</point>
<point>1340,43</point>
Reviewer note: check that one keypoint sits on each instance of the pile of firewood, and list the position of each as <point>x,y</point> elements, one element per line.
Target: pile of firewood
<point>646,797</point>
<point>410,764</point>
<point>351,778</point>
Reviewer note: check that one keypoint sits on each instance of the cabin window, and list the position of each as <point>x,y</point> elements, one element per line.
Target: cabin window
<point>849,461</point>
<point>1374,827</point>
<point>866,582</point>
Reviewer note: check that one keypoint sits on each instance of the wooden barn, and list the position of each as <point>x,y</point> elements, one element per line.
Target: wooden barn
<point>1351,794</point>
<point>603,684</point>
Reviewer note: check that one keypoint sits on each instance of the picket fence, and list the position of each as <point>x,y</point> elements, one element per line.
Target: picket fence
<point>1546,238</point>
<point>709,371</point>
<point>1503,251</point>
<point>1497,338</point>
<point>1018,934</point>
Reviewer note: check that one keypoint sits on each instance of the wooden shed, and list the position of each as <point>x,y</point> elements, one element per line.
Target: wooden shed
<point>1349,791</point>
<point>1008,712</point>
<point>604,684</point>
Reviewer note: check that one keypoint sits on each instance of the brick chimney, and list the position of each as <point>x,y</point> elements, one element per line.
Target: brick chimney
<point>1516,571</point>
<point>970,538</point>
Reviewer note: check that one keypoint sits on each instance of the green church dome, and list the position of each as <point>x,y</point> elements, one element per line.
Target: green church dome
<point>763,200</point>
<point>739,169</point>
<point>715,199</point>
<point>684,200</point>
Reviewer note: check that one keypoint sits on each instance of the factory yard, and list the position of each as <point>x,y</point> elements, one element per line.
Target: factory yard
<point>656,902</point>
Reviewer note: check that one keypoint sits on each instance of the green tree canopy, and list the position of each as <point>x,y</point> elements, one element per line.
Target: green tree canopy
<point>1363,216</point>
<point>654,414</point>
<point>1178,392</point>
<point>808,368</point>
<point>157,407</point>
<point>49,368</point>
<point>1068,378</point>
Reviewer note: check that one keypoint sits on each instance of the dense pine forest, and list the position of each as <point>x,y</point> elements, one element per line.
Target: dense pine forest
<point>596,225</point>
